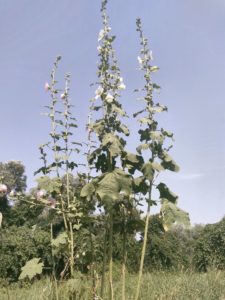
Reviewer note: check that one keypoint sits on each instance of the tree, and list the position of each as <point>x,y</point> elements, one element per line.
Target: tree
<point>12,174</point>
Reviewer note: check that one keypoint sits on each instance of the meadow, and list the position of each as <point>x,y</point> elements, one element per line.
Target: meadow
<point>155,286</point>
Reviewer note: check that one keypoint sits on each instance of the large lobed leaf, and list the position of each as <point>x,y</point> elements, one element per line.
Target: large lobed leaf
<point>172,215</point>
<point>32,268</point>
<point>112,184</point>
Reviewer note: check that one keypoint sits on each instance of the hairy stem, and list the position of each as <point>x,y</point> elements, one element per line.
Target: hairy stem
<point>144,245</point>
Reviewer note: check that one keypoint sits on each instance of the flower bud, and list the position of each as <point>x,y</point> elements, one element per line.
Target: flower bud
<point>47,87</point>
<point>63,96</point>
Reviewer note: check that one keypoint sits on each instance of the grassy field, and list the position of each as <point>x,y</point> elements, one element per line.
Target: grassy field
<point>160,285</point>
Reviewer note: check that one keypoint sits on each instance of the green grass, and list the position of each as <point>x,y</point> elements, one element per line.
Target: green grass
<point>157,286</point>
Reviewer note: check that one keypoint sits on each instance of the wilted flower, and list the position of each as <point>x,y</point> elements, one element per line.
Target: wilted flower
<point>51,202</point>
<point>98,92</point>
<point>109,98</point>
<point>47,87</point>
<point>101,35</point>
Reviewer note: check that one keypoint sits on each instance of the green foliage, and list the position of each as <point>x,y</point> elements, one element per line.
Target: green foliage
<point>156,285</point>
<point>32,268</point>
<point>12,174</point>
<point>20,244</point>
<point>210,248</point>
<point>173,215</point>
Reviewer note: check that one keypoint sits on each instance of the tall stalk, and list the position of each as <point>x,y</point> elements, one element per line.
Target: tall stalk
<point>111,292</point>
<point>124,256</point>
<point>53,265</point>
<point>153,139</point>
<point>143,251</point>
<point>108,129</point>
<point>62,148</point>
<point>104,264</point>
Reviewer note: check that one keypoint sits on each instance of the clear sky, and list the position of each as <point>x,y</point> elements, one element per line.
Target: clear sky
<point>188,43</point>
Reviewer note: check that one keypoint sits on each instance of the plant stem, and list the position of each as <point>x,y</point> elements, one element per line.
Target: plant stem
<point>53,266</point>
<point>71,250</point>
<point>124,258</point>
<point>111,294</point>
<point>144,245</point>
<point>103,266</point>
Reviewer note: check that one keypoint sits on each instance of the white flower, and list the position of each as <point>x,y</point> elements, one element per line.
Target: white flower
<point>121,79</point>
<point>47,87</point>
<point>101,35</point>
<point>98,92</point>
<point>140,60</point>
<point>122,86</point>
<point>63,96</point>
<point>109,98</point>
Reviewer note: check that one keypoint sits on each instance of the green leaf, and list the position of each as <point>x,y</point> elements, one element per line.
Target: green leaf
<point>172,216</point>
<point>165,193</point>
<point>98,127</point>
<point>142,147</point>
<point>112,142</point>
<point>112,184</point>
<point>32,268</point>
<point>157,136</point>
<point>138,113</point>
<point>77,226</point>
<point>154,69</point>
<point>168,163</point>
<point>125,129</point>
<point>167,133</point>
<point>118,110</point>
<point>132,162</point>
<point>157,167</point>
<point>61,239</point>
<point>87,191</point>
<point>148,171</point>
<point>140,185</point>
<point>145,121</point>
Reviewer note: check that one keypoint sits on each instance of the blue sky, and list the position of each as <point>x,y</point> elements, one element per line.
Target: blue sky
<point>188,44</point>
